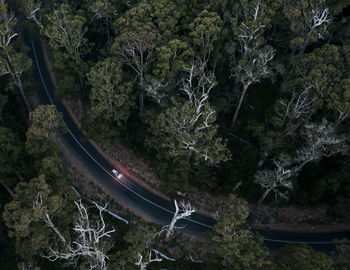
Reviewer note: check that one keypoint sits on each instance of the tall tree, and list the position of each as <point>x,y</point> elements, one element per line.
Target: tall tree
<point>46,126</point>
<point>67,29</point>
<point>139,253</point>
<point>278,180</point>
<point>32,11</point>
<point>232,243</point>
<point>110,98</point>
<point>308,20</point>
<point>12,61</point>
<point>26,220</point>
<point>11,150</point>
<point>88,246</point>
<point>102,11</point>
<point>138,32</point>
<point>136,42</point>
<point>255,62</point>
<point>190,127</point>
<point>320,140</point>
<point>205,30</point>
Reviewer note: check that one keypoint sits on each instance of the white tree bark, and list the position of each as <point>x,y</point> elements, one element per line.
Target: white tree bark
<point>185,211</point>
<point>143,262</point>
<point>32,9</point>
<point>89,241</point>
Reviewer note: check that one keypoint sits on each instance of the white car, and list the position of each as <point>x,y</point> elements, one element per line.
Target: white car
<point>117,174</point>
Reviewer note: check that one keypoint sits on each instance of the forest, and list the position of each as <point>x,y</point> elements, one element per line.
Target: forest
<point>245,102</point>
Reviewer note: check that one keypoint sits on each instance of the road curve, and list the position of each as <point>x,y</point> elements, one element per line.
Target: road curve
<point>140,200</point>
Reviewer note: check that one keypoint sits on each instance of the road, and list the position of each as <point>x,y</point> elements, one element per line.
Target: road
<point>140,200</point>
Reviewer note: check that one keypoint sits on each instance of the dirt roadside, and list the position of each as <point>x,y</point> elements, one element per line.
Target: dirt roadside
<point>292,218</point>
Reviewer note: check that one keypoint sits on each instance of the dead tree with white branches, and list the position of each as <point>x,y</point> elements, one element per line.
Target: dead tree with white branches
<point>90,240</point>
<point>144,260</point>
<point>296,110</point>
<point>184,211</point>
<point>279,180</point>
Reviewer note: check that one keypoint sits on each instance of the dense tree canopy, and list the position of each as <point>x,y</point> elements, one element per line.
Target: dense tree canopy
<point>250,96</point>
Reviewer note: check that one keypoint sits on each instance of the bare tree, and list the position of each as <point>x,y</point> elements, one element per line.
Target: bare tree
<point>298,106</point>
<point>185,211</point>
<point>89,241</point>
<point>278,180</point>
<point>296,110</point>
<point>143,261</point>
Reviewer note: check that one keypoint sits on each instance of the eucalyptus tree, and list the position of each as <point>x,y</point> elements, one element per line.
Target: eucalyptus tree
<point>250,22</point>
<point>140,253</point>
<point>189,126</point>
<point>13,61</point>
<point>278,180</point>
<point>172,57</point>
<point>135,44</point>
<point>308,20</point>
<point>110,98</point>
<point>231,242</point>
<point>320,140</point>
<point>89,244</point>
<point>32,11</point>
<point>46,126</point>
<point>204,32</point>
<point>301,256</point>
<point>102,11</point>
<point>11,150</point>
<point>67,29</point>
<point>139,31</point>
<point>184,211</point>
<point>34,206</point>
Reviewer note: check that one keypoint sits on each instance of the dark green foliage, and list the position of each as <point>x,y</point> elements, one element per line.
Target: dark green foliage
<point>301,256</point>
<point>235,246</point>
<point>125,66</point>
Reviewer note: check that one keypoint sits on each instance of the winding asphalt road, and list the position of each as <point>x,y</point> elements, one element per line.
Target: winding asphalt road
<point>140,200</point>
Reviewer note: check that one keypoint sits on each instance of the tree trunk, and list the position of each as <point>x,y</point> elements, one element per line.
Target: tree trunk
<point>263,197</point>
<point>83,87</point>
<point>173,221</point>
<point>53,227</point>
<point>234,118</point>
<point>141,102</point>
<point>19,176</point>
<point>7,188</point>
<point>18,83</point>
<point>141,98</point>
